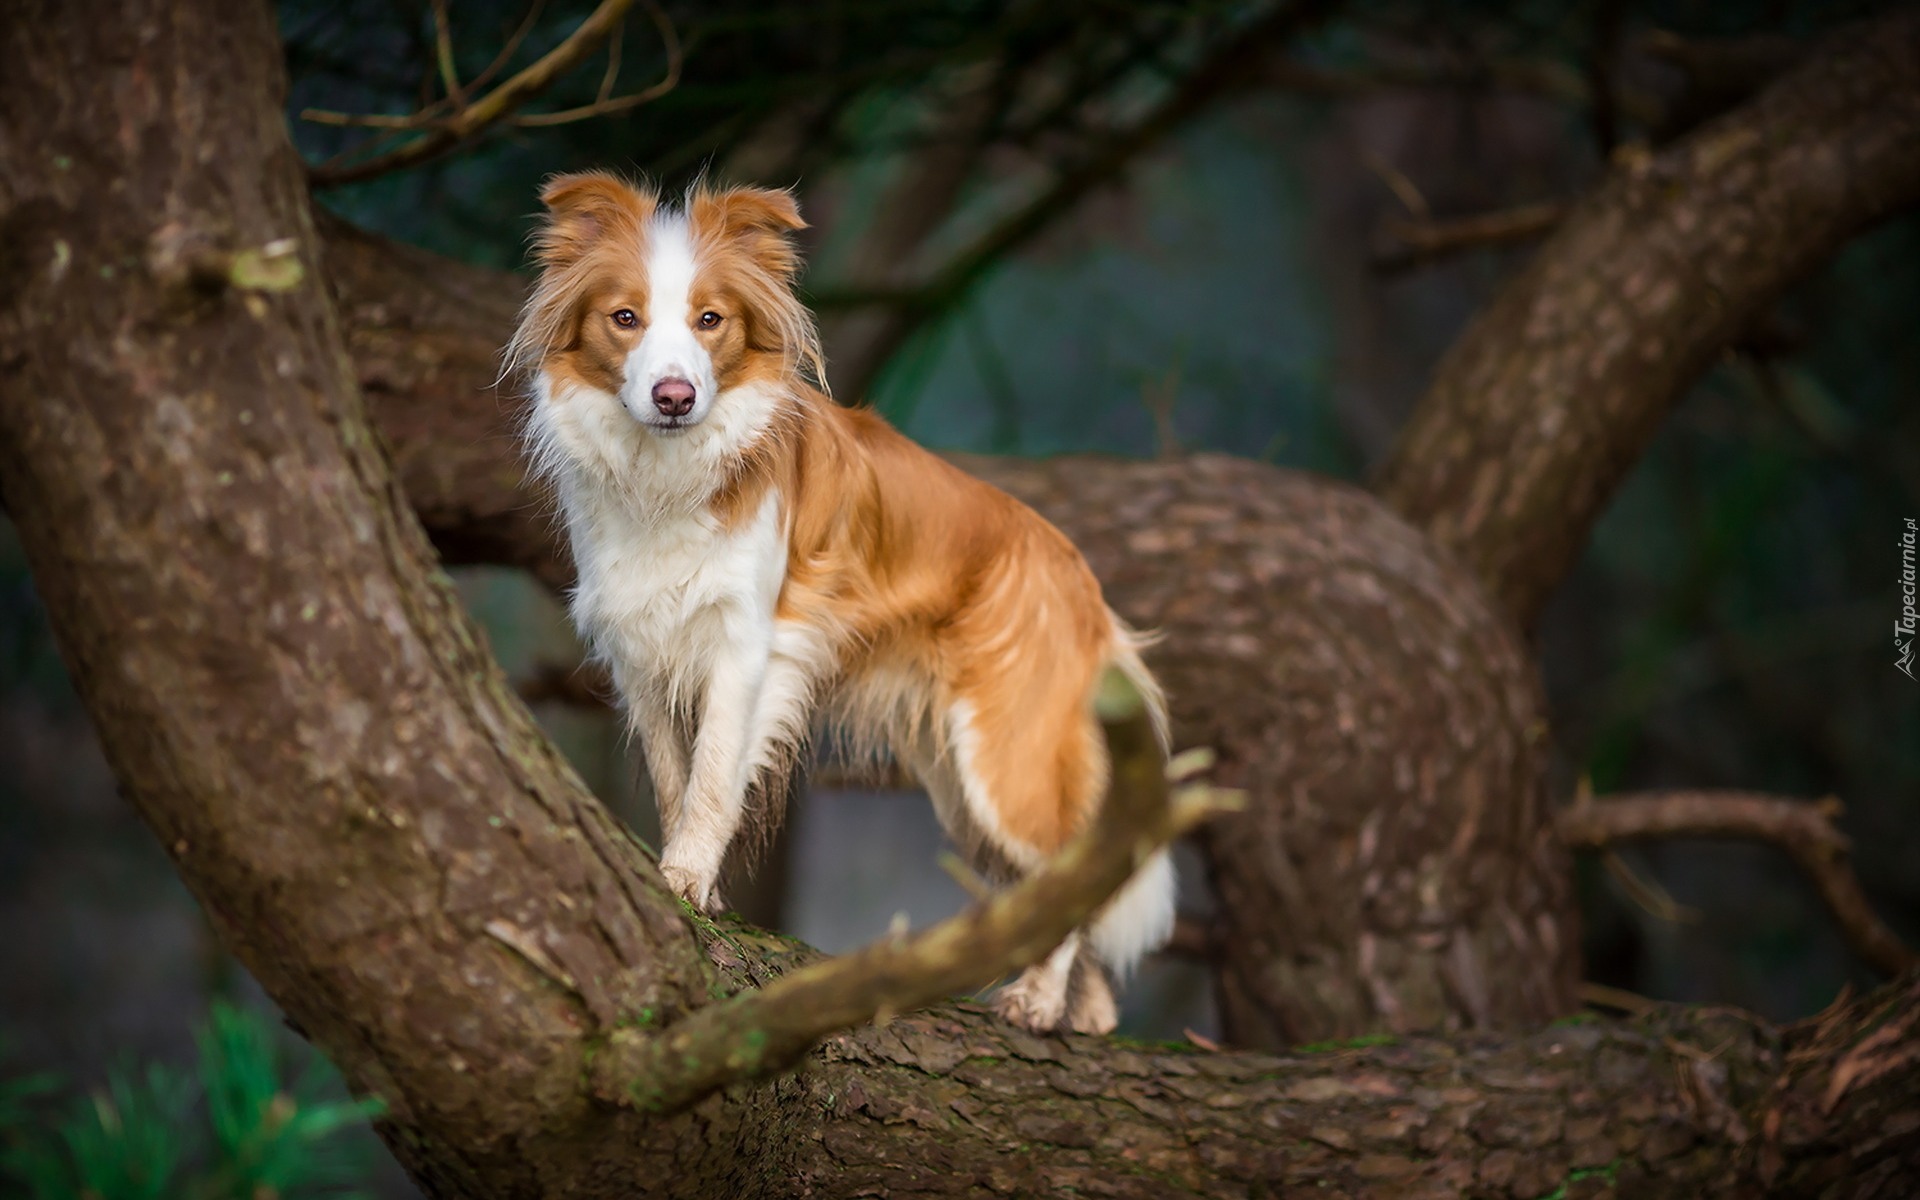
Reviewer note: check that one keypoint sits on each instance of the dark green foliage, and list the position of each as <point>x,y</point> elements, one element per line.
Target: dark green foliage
<point>237,1127</point>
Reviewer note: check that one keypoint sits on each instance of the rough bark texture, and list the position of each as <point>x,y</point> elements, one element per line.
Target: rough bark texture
<point>285,685</point>
<point>426,333</point>
<point>1681,1103</point>
<point>1548,400</point>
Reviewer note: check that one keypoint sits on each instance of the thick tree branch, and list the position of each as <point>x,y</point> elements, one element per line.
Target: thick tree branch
<point>1672,1103</point>
<point>1804,830</point>
<point>1539,411</point>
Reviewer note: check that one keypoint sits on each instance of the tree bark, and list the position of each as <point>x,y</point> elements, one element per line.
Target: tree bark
<point>285,685</point>
<point>1543,406</point>
<point>1679,1103</point>
<point>291,696</point>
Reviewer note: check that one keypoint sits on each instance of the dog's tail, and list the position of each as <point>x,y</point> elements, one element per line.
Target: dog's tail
<point>1125,658</point>
<point>1139,918</point>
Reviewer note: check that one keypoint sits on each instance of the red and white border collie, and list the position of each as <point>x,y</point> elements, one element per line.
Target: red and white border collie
<point>753,557</point>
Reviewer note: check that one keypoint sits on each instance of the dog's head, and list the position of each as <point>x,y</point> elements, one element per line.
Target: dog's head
<point>665,308</point>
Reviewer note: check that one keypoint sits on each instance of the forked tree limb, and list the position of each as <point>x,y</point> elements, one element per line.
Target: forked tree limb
<point>1543,406</point>
<point>1803,830</point>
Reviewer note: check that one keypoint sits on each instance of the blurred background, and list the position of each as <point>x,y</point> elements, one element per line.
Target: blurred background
<point>1041,228</point>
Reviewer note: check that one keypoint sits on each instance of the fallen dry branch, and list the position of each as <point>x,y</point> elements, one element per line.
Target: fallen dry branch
<point>439,134</point>
<point>1804,830</point>
<point>766,1029</point>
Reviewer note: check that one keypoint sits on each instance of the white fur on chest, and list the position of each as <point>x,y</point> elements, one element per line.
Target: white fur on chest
<point>665,587</point>
<point>662,599</point>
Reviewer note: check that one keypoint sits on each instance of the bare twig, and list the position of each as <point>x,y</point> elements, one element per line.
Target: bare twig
<point>1599,995</point>
<point>1655,900</point>
<point>612,74</point>
<point>1404,244</point>
<point>506,50</point>
<point>1404,189</point>
<point>443,55</point>
<point>1805,831</point>
<point>761,1031</point>
<point>439,134</point>
<point>603,106</point>
<point>415,120</point>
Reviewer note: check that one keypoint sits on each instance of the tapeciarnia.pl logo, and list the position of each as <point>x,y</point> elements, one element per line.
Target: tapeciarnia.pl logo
<point>1903,625</point>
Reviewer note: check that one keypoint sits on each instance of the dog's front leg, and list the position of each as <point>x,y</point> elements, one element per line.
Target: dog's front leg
<point>664,743</point>
<point>716,791</point>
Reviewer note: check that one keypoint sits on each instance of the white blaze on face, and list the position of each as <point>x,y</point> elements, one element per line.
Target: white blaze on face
<point>669,349</point>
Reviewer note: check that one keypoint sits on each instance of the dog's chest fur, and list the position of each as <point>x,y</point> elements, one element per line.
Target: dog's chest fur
<point>661,596</point>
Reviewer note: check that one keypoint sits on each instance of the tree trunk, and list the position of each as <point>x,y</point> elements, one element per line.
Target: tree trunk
<point>1543,406</point>
<point>285,685</point>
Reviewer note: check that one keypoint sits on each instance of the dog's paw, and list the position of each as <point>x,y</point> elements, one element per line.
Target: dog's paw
<point>701,893</point>
<point>1091,1008</point>
<point>1032,1002</point>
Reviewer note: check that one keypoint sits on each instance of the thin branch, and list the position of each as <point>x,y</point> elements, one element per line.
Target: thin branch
<point>1600,995</point>
<point>1653,899</point>
<point>439,136</point>
<point>760,1031</point>
<point>603,106</point>
<point>347,120</point>
<point>415,120</point>
<point>1805,831</point>
<point>443,55</point>
<point>1403,245</point>
<point>512,43</point>
<point>612,75</point>
<point>1404,189</point>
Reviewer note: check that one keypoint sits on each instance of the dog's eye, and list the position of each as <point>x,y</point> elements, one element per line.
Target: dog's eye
<point>624,318</point>
<point>710,320</point>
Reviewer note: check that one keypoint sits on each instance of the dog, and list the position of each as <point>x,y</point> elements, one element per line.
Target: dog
<point>755,559</point>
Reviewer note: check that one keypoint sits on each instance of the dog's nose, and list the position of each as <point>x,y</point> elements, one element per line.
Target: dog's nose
<point>673,397</point>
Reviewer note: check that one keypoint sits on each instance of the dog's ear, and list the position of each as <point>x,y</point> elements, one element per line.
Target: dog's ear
<point>582,207</point>
<point>762,218</point>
